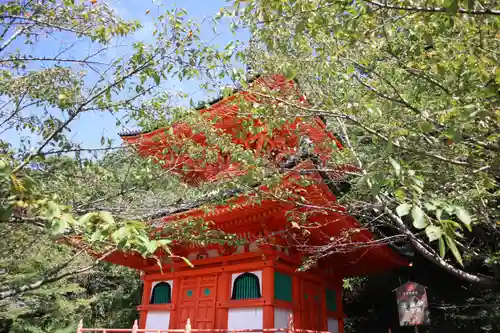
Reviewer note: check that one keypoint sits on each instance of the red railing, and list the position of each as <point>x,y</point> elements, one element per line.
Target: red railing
<point>135,329</point>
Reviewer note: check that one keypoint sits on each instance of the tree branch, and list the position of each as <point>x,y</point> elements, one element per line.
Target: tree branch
<point>485,11</point>
<point>421,247</point>
<point>326,113</point>
<point>77,112</point>
<point>83,61</point>
<point>13,37</point>
<point>49,279</point>
<point>425,250</point>
<point>432,256</point>
<point>41,23</point>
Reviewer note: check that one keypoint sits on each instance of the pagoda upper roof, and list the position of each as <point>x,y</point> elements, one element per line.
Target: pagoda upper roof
<point>276,144</point>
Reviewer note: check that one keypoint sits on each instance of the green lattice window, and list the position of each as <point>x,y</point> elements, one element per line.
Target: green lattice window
<point>282,287</point>
<point>331,300</point>
<point>246,286</point>
<point>162,293</point>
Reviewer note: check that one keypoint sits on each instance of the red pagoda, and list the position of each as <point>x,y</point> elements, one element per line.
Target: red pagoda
<point>256,285</point>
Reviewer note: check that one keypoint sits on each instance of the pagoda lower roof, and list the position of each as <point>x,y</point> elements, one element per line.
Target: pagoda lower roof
<point>266,220</point>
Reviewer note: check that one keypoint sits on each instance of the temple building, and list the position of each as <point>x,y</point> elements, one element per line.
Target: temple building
<point>257,284</point>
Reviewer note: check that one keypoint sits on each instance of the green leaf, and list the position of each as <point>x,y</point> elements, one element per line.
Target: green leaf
<point>389,147</point>
<point>464,216</point>
<point>3,165</point>
<point>58,226</point>
<point>151,246</point>
<point>120,234</point>
<point>426,126</point>
<point>403,209</point>
<point>433,232</point>
<point>452,6</point>
<point>95,236</point>
<point>452,224</point>
<point>85,219</point>
<point>400,194</point>
<point>163,242</point>
<point>439,213</point>
<point>453,248</point>
<point>156,77</point>
<point>454,133</point>
<point>442,247</point>
<point>53,210</point>
<point>189,263</point>
<point>5,213</point>
<point>106,217</point>
<point>300,26</point>
<point>375,188</point>
<point>395,165</point>
<point>419,218</point>
<point>430,206</point>
<point>290,73</point>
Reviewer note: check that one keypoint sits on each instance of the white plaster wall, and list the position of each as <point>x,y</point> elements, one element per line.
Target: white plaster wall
<point>253,247</point>
<point>158,320</point>
<point>281,317</point>
<point>170,282</point>
<point>333,325</point>
<point>241,318</point>
<point>257,273</point>
<point>213,253</point>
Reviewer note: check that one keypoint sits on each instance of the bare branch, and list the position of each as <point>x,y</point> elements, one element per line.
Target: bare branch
<point>13,37</point>
<point>55,59</point>
<point>55,152</point>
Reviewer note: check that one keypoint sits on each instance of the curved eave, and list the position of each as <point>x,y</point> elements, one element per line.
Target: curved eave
<point>247,220</point>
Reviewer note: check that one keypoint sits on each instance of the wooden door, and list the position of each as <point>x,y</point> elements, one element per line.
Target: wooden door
<point>311,316</point>
<point>197,301</point>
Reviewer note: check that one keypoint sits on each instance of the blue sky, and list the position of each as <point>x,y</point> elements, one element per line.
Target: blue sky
<point>89,128</point>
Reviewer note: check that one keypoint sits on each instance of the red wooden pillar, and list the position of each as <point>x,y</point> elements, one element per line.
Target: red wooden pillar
<point>268,296</point>
<point>223,291</point>
<point>341,325</point>
<point>340,307</point>
<point>174,313</point>
<point>146,293</point>
<point>297,301</point>
<point>324,312</point>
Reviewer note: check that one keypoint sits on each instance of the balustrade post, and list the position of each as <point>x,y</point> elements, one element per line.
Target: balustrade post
<point>291,328</point>
<point>79,328</point>
<point>135,327</point>
<point>188,326</point>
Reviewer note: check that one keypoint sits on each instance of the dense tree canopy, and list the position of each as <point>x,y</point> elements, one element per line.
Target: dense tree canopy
<point>53,187</point>
<point>413,90</point>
